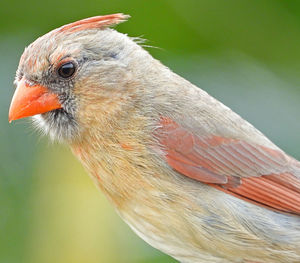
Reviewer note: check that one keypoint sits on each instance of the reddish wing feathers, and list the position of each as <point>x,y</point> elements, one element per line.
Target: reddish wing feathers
<point>94,22</point>
<point>251,172</point>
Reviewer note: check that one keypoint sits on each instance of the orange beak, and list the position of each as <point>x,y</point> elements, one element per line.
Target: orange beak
<point>31,100</point>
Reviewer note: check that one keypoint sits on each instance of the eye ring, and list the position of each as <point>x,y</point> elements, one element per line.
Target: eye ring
<point>66,70</point>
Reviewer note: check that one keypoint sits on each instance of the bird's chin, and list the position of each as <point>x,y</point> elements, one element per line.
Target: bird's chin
<point>58,124</point>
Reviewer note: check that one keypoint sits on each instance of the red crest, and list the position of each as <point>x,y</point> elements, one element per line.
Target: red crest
<point>94,22</point>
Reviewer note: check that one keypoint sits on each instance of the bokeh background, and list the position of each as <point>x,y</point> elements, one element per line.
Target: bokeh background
<point>245,53</point>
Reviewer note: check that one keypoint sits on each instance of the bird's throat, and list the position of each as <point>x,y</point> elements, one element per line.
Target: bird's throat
<point>117,158</point>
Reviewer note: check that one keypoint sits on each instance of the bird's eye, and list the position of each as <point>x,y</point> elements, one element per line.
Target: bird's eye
<point>66,70</point>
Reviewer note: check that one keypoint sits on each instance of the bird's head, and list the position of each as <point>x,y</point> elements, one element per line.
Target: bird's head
<point>71,72</point>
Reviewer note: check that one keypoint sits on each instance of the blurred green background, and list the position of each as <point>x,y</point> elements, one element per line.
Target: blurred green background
<point>245,53</point>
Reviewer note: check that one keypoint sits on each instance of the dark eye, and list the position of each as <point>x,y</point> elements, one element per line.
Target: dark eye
<point>66,70</point>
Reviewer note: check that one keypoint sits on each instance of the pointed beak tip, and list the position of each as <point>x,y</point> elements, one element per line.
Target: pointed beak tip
<point>10,118</point>
<point>12,114</point>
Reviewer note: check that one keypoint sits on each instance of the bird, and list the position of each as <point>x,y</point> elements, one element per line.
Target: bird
<point>186,173</point>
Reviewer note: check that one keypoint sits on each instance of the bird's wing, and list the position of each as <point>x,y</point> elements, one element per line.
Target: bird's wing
<point>255,173</point>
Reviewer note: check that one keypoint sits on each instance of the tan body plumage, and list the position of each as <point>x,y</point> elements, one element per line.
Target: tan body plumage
<point>186,219</point>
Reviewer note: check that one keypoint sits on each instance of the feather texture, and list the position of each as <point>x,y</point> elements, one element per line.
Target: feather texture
<point>93,22</point>
<point>254,173</point>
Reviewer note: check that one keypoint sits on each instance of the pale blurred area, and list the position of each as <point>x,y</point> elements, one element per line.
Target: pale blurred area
<point>244,53</point>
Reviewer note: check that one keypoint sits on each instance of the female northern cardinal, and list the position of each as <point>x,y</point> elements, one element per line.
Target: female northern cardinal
<point>188,175</point>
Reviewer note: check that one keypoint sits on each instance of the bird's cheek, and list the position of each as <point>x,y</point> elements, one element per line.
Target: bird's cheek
<point>29,100</point>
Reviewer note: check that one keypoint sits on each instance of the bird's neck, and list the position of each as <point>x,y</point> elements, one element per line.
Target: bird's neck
<point>116,155</point>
